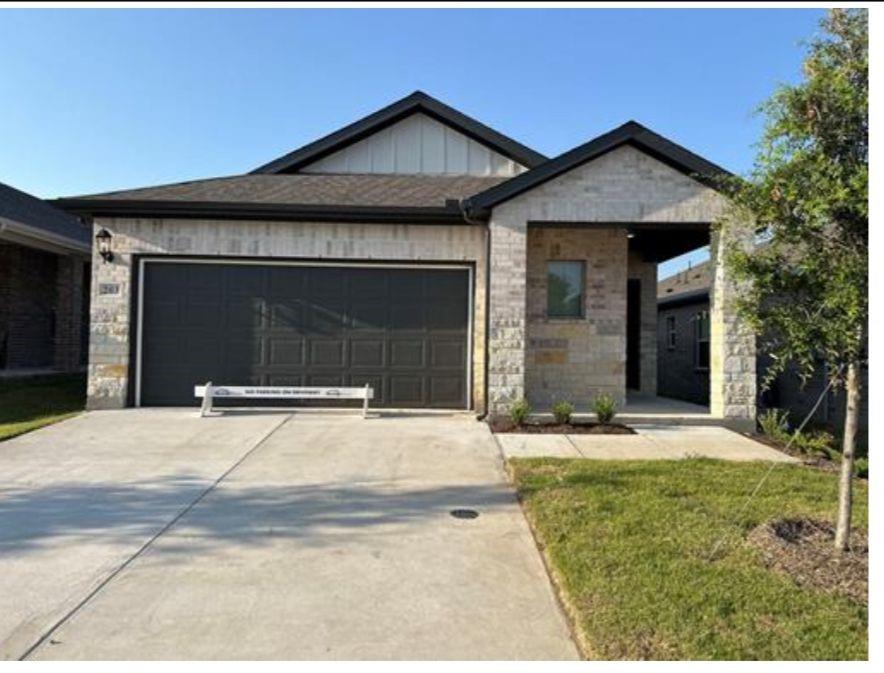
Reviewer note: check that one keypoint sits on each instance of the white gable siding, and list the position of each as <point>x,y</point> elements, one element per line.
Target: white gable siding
<point>417,145</point>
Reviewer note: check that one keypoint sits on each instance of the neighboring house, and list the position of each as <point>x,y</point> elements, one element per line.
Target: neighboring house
<point>683,357</point>
<point>417,250</point>
<point>44,286</point>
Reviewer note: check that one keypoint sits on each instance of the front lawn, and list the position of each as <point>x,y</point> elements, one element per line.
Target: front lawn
<point>629,542</point>
<point>28,404</point>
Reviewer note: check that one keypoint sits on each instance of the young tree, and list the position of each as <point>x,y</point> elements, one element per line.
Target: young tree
<point>807,295</point>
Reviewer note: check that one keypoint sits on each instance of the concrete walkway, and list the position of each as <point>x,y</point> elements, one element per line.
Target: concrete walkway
<point>154,534</point>
<point>649,443</point>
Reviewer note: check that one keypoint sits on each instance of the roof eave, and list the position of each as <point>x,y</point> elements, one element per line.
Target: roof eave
<point>449,214</point>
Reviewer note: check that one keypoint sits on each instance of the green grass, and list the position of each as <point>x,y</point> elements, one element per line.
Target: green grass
<point>28,404</point>
<point>628,542</point>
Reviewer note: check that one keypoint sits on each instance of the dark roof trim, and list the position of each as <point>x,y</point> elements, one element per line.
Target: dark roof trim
<point>225,210</point>
<point>630,133</point>
<point>684,298</point>
<point>416,102</point>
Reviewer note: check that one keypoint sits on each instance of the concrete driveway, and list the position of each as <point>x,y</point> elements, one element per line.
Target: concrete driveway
<point>154,534</point>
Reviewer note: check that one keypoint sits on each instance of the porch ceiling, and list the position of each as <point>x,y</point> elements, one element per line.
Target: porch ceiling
<point>655,241</point>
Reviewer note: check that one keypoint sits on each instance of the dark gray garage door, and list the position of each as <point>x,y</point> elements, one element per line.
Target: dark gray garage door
<point>404,331</point>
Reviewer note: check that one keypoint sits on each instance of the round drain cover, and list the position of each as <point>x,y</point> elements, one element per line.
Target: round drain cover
<point>464,513</point>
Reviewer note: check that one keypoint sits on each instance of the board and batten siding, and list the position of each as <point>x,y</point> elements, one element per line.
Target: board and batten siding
<point>417,145</point>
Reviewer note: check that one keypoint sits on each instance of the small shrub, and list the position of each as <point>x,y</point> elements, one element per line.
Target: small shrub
<point>519,411</point>
<point>775,424</point>
<point>562,411</point>
<point>605,408</point>
<point>816,444</point>
<point>861,468</point>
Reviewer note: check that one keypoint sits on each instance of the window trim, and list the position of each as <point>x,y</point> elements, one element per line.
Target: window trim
<point>671,332</point>
<point>700,338</point>
<point>581,315</point>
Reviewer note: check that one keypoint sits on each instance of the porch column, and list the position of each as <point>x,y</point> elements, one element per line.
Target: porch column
<point>507,308</point>
<point>732,378</point>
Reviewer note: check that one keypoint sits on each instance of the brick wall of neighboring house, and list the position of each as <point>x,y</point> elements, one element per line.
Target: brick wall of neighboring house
<point>27,306</point>
<point>40,309</point>
<point>111,329</point>
<point>677,373</point>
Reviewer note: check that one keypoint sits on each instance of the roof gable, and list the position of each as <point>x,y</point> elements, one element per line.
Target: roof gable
<point>631,133</point>
<point>416,103</point>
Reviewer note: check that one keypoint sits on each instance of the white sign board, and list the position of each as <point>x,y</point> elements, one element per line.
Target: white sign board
<point>209,391</point>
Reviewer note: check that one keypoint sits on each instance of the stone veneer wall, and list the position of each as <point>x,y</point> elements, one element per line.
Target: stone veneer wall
<point>577,358</point>
<point>623,186</point>
<point>111,330</point>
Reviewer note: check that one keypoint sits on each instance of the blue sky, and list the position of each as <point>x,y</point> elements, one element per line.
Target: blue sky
<point>95,100</point>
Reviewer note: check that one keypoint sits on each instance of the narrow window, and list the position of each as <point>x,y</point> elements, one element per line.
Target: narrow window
<point>564,289</point>
<point>670,332</point>
<point>701,331</point>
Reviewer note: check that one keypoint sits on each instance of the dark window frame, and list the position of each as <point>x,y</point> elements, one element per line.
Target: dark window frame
<point>701,339</point>
<point>671,332</point>
<point>581,313</point>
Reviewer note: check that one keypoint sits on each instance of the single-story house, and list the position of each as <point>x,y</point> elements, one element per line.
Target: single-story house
<point>44,286</point>
<point>417,250</point>
<point>683,309</point>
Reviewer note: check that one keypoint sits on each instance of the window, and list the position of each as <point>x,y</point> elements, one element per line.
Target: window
<point>701,333</point>
<point>564,289</point>
<point>670,332</point>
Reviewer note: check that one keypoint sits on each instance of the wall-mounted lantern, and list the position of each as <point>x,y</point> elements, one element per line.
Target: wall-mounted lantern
<point>103,239</point>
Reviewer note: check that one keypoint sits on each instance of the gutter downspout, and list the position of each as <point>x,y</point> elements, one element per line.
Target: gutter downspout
<point>464,205</point>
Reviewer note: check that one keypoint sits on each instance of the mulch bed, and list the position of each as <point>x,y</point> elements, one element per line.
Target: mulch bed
<point>803,549</point>
<point>505,425</point>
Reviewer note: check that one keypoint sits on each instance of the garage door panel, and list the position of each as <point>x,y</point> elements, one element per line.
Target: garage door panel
<point>403,331</point>
<point>326,352</point>
<point>286,351</point>
<point>407,353</point>
<point>367,353</point>
<point>450,354</point>
<point>406,390</point>
<point>446,390</point>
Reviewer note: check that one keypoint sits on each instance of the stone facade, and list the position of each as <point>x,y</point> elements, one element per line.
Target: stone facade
<point>41,309</point>
<point>623,186</point>
<point>577,358</point>
<point>112,283</point>
<point>732,375</point>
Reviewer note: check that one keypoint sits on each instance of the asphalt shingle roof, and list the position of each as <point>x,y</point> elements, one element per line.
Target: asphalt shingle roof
<point>23,208</point>
<point>315,189</point>
<point>695,279</point>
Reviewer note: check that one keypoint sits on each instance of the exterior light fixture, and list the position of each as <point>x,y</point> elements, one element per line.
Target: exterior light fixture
<point>630,233</point>
<point>103,239</point>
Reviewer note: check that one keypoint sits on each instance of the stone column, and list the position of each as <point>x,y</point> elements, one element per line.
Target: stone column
<point>68,313</point>
<point>508,302</point>
<point>732,379</point>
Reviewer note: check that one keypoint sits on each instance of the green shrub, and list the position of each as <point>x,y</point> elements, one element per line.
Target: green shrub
<point>605,408</point>
<point>775,424</point>
<point>816,444</point>
<point>562,411</point>
<point>519,411</point>
<point>861,468</point>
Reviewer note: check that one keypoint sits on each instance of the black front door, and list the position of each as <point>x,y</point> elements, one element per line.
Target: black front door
<point>633,333</point>
<point>404,331</point>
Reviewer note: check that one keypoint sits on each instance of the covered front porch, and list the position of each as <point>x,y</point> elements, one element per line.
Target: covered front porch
<point>573,308</point>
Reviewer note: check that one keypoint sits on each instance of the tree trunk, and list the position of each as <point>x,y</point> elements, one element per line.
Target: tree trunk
<point>845,490</point>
